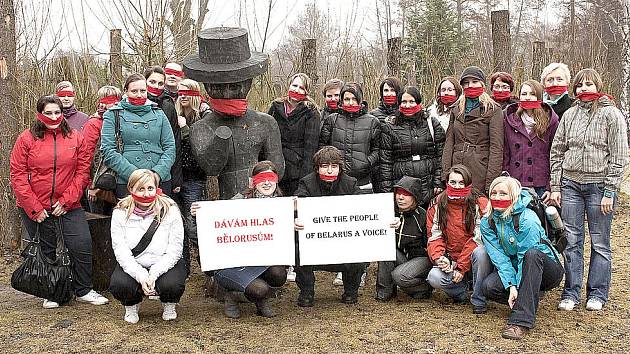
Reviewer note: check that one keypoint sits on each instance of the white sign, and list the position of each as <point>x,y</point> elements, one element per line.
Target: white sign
<point>347,229</point>
<point>246,232</point>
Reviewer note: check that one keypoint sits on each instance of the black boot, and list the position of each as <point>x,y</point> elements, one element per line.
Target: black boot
<point>264,308</point>
<point>230,306</point>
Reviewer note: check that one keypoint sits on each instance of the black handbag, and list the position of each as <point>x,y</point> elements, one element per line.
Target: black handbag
<point>105,176</point>
<point>42,277</point>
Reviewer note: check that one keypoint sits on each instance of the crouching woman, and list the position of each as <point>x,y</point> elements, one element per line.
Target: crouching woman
<point>519,249</point>
<point>147,238</point>
<point>412,265</point>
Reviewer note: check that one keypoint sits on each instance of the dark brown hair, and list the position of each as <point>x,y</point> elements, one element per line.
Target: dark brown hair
<point>417,96</point>
<point>133,78</point>
<point>458,91</point>
<point>470,201</point>
<point>392,82</point>
<point>541,115</point>
<point>332,84</point>
<point>328,154</point>
<point>154,69</point>
<point>259,167</point>
<point>503,76</point>
<point>38,128</point>
<point>588,74</point>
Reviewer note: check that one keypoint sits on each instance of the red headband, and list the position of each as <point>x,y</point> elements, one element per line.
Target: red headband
<point>65,93</point>
<point>264,176</point>
<point>403,191</point>
<point>178,73</point>
<point>189,93</point>
<point>109,99</point>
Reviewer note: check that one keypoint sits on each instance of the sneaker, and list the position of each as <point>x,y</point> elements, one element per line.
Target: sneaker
<point>290,274</point>
<point>594,305</point>
<point>566,305</point>
<point>479,310</point>
<point>93,298</point>
<point>514,332</point>
<point>50,304</point>
<point>169,311</point>
<point>338,281</point>
<point>131,314</point>
<point>362,283</point>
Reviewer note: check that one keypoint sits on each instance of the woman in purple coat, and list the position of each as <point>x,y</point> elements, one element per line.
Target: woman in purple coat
<point>530,126</point>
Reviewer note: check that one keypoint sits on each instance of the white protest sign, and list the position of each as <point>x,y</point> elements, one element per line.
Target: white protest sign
<point>246,232</point>
<point>347,229</point>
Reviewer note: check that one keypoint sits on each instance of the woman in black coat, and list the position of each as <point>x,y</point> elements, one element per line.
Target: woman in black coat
<point>298,120</point>
<point>412,146</point>
<point>387,109</point>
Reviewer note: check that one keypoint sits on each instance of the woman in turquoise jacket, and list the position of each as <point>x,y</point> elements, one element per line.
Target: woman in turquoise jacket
<point>524,261</point>
<point>147,138</point>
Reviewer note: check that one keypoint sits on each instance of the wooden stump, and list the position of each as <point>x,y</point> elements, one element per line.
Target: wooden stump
<point>501,45</point>
<point>103,259</point>
<point>394,46</point>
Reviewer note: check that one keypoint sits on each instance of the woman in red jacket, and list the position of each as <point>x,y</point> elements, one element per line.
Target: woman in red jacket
<point>50,168</point>
<point>453,222</point>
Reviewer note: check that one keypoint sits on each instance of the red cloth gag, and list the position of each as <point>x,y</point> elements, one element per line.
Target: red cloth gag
<point>501,95</point>
<point>556,90</point>
<point>500,204</point>
<point>473,92</point>
<point>296,96</point>
<point>332,104</point>
<point>137,101</point>
<point>458,192</point>
<point>154,90</point>
<point>592,96</point>
<point>47,120</point>
<point>530,104</point>
<point>390,100</point>
<point>352,108</point>
<point>448,99</point>
<point>327,178</point>
<point>230,107</point>
<point>147,200</point>
<point>410,111</point>
<point>189,93</point>
<point>264,176</point>
<point>65,93</point>
<point>178,73</point>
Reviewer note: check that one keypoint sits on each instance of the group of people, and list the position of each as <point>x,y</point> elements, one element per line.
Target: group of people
<point>459,171</point>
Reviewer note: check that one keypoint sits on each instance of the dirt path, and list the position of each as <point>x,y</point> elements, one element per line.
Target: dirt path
<point>403,325</point>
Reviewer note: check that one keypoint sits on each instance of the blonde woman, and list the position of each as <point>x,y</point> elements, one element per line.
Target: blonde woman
<point>298,119</point>
<point>588,158</point>
<point>475,134</point>
<point>525,262</point>
<point>148,265</point>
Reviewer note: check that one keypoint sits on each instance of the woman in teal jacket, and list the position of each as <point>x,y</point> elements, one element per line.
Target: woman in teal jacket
<point>147,138</point>
<point>525,262</point>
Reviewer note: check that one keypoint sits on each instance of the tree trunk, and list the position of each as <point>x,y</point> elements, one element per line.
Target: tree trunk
<point>393,56</point>
<point>9,221</point>
<point>115,57</point>
<point>614,69</point>
<point>308,61</point>
<point>501,40</point>
<point>539,58</point>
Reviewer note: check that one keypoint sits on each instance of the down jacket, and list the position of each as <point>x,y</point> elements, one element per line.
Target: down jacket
<point>44,171</point>
<point>412,148</point>
<point>411,235</point>
<point>358,137</point>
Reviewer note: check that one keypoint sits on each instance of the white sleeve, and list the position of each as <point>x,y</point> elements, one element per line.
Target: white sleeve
<point>174,227</point>
<point>123,254</point>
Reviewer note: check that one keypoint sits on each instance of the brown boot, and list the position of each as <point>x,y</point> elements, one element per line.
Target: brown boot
<point>230,305</point>
<point>515,332</point>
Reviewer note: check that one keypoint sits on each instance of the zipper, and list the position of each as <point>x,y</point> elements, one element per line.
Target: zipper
<point>54,167</point>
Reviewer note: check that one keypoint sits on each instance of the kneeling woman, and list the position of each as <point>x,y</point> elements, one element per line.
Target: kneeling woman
<point>147,238</point>
<point>412,265</point>
<point>255,283</point>
<point>525,261</point>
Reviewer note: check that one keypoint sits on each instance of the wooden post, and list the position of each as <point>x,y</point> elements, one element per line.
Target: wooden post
<point>115,57</point>
<point>539,58</point>
<point>9,220</point>
<point>308,62</point>
<point>393,56</point>
<point>103,259</point>
<point>501,46</point>
<point>613,76</point>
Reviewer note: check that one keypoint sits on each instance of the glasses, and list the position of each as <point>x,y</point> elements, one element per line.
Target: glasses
<point>501,87</point>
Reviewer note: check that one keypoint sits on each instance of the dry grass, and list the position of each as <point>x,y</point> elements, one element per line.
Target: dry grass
<point>403,325</point>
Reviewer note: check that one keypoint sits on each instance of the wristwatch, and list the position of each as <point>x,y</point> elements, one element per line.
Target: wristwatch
<point>609,193</point>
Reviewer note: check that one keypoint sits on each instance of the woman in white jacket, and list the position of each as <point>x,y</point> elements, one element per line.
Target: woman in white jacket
<point>151,266</point>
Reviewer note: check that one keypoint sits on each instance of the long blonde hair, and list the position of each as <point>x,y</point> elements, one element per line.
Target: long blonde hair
<point>138,179</point>
<point>309,102</point>
<point>195,101</point>
<point>485,100</point>
<point>514,189</point>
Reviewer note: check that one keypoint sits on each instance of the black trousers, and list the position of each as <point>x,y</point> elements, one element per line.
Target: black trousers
<point>540,273</point>
<point>351,272</point>
<point>77,239</point>
<point>170,286</point>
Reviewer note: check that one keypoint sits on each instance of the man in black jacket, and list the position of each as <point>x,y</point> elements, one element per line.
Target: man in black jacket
<point>328,179</point>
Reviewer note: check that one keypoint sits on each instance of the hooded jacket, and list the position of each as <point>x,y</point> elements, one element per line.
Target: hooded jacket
<point>590,147</point>
<point>411,235</point>
<point>358,136</point>
<point>412,148</point>
<point>299,133</point>
<point>507,248</point>
<point>525,155</point>
<point>44,171</point>
<point>454,242</point>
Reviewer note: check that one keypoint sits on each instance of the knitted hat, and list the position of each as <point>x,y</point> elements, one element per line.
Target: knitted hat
<point>474,72</point>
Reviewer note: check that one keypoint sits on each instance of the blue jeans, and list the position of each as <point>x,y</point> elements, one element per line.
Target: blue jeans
<point>191,191</point>
<point>481,267</point>
<point>576,200</point>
